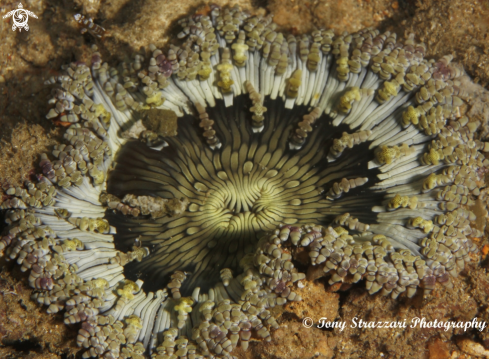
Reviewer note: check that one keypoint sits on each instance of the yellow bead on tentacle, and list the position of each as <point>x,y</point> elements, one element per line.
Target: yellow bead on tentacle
<point>348,98</point>
<point>293,84</point>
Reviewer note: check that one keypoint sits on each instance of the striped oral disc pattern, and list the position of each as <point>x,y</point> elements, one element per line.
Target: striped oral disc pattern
<point>354,149</point>
<point>251,184</point>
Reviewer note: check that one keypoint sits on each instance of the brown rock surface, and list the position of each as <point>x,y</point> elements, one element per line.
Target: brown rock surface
<point>27,59</point>
<point>459,28</point>
<point>26,330</point>
<point>349,15</point>
<point>438,350</point>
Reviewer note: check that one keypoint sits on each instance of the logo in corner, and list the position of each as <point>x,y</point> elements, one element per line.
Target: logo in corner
<point>20,17</point>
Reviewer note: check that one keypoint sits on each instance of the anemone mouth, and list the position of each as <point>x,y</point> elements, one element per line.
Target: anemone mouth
<point>384,158</point>
<point>251,184</point>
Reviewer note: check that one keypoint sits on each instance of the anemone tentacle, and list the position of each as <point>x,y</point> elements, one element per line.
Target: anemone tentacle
<point>355,147</point>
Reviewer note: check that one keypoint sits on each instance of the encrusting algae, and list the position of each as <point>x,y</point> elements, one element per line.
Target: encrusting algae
<point>354,148</point>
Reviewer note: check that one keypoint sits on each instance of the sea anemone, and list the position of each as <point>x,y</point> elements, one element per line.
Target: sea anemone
<point>353,149</point>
